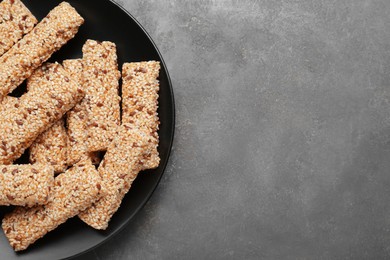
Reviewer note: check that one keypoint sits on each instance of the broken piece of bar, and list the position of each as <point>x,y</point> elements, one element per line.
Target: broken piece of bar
<point>140,100</point>
<point>122,162</point>
<point>19,62</point>
<point>74,191</point>
<point>15,21</point>
<point>100,81</point>
<point>37,110</point>
<point>25,185</point>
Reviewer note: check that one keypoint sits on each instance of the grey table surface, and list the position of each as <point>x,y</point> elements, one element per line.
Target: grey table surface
<point>282,145</point>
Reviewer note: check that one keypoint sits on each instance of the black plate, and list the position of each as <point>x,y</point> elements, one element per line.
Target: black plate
<point>104,20</point>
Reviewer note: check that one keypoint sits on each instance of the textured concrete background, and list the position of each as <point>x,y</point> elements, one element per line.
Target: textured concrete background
<point>282,146</point>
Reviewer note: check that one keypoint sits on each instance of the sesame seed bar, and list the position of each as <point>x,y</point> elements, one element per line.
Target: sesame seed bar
<point>25,185</point>
<point>19,62</point>
<point>121,164</point>
<point>101,83</point>
<point>140,100</point>
<point>37,110</point>
<point>50,147</point>
<point>76,120</point>
<point>17,20</point>
<point>74,191</point>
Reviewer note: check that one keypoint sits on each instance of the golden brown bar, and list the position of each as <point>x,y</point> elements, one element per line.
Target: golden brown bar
<point>59,26</point>
<point>74,191</point>
<point>17,20</point>
<point>25,185</point>
<point>140,100</point>
<point>100,80</point>
<point>37,110</point>
<point>123,161</point>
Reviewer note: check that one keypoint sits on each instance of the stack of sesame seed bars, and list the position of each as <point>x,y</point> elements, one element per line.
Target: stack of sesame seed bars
<point>69,116</point>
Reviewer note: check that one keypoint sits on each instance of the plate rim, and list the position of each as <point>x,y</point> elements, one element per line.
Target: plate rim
<point>165,163</point>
